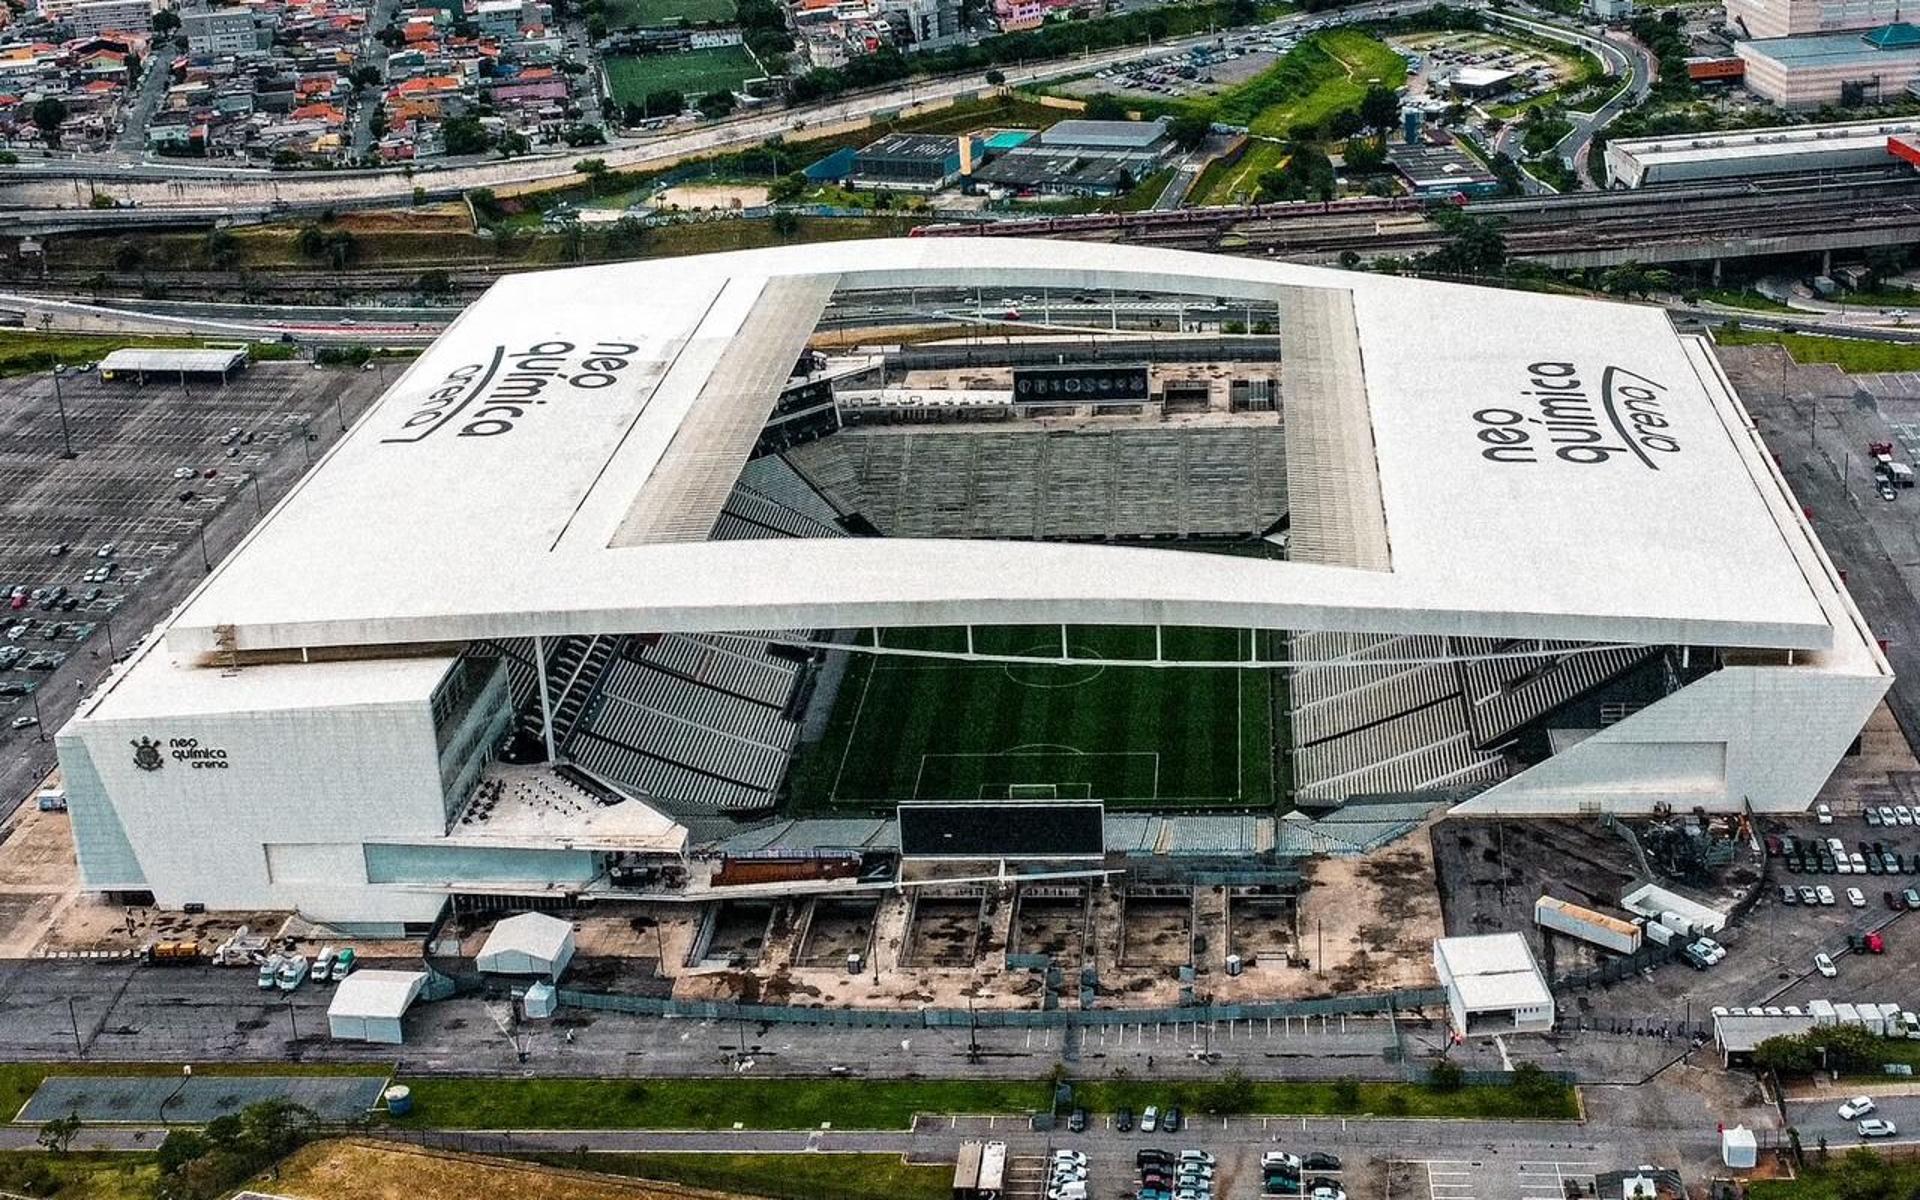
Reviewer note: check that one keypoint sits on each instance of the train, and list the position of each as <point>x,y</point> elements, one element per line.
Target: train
<point>1219,214</point>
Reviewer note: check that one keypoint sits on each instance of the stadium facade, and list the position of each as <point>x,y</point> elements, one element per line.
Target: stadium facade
<point>491,643</point>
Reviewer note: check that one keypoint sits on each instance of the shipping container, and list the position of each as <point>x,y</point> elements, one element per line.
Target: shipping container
<point>1822,1012</point>
<point>1870,1018</point>
<point>1608,933</point>
<point>1846,1014</point>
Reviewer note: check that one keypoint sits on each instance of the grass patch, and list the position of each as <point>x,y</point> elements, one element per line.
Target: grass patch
<point>780,1176</point>
<point>1325,73</point>
<point>24,352</point>
<point>1336,1098</point>
<point>1880,297</point>
<point>637,14</point>
<point>79,1175</point>
<point>1133,736</point>
<point>1229,183</point>
<point>695,72</point>
<point>1853,356</point>
<point>575,1103</point>
<point>1743,298</point>
<point>1856,1172</point>
<point>579,1103</point>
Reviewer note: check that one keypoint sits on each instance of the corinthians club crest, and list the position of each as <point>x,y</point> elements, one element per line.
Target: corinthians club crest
<point>146,754</point>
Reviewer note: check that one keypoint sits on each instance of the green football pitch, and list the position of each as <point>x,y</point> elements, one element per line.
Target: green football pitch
<point>905,728</point>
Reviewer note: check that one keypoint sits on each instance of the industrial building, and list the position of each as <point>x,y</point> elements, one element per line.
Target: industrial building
<point>1493,985</point>
<point>911,162</point>
<point>1751,153</point>
<point>139,363</point>
<point>1082,158</point>
<point>1818,69</point>
<point>1794,18</point>
<point>1442,171</point>
<point>550,618</point>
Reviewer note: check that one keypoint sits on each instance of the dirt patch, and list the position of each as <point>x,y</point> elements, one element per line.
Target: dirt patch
<point>1367,924</point>
<point>711,195</point>
<point>429,218</point>
<point>1051,925</point>
<point>944,933</point>
<point>1157,932</point>
<point>354,1170</point>
<point>836,929</point>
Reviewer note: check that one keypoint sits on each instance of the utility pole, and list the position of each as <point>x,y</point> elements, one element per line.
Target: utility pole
<point>66,435</point>
<point>205,561</point>
<point>78,1049</point>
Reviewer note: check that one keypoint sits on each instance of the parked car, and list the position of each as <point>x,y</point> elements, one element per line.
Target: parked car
<point>1170,1121</point>
<point>1123,1120</point>
<point>1077,1121</point>
<point>1150,1119</point>
<point>1874,1127</point>
<point>1856,898</point>
<point>1321,1161</point>
<point>1823,814</point>
<point>1825,893</point>
<point>1789,896</point>
<point>1823,964</point>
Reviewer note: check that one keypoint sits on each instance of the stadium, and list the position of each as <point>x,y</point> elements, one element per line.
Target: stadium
<point>658,577</point>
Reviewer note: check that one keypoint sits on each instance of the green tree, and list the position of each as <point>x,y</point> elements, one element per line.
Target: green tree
<point>1364,156</point>
<point>1380,108</point>
<point>996,77</point>
<point>1190,131</point>
<point>787,188</point>
<point>1445,1076</point>
<point>166,21</point>
<point>1476,247</point>
<point>463,135</point>
<point>785,223</point>
<point>1788,1054</point>
<point>664,102</point>
<point>434,283</point>
<point>57,1135</point>
<point>1105,108</point>
<point>49,113</point>
<point>717,104</point>
<point>222,249</point>
<point>1346,1095</point>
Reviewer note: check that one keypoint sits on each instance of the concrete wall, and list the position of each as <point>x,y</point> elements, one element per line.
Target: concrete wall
<point>1768,736</point>
<point>278,826</point>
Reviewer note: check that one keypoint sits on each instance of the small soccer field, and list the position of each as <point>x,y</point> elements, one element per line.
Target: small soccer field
<point>906,728</point>
<point>694,72</point>
<point>644,14</point>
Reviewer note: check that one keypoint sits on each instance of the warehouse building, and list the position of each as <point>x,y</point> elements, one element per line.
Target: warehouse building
<point>910,162</point>
<point>1754,153</point>
<point>498,652</point>
<point>1442,171</point>
<point>1083,158</point>
<point>1481,83</point>
<point>1493,985</point>
<point>1833,68</point>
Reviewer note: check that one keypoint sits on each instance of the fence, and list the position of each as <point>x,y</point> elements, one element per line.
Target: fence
<point>946,1018</point>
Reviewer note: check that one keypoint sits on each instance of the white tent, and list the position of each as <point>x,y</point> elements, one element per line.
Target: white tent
<point>1738,1147</point>
<point>528,944</point>
<point>367,1005</point>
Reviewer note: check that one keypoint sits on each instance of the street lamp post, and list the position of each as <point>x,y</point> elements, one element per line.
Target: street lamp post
<point>39,722</point>
<point>205,560</point>
<point>59,402</point>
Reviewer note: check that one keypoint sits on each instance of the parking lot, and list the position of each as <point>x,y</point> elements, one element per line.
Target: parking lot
<point>242,443</point>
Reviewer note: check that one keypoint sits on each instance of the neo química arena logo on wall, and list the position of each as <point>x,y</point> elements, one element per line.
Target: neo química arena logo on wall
<point>1562,416</point>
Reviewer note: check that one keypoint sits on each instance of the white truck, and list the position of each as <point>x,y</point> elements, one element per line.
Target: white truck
<point>293,971</point>
<point>1870,1018</point>
<point>1608,933</point>
<point>1822,1012</point>
<point>1659,934</point>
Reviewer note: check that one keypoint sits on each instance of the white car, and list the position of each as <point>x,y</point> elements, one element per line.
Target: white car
<point>1876,1127</point>
<point>1888,816</point>
<point>1859,862</point>
<point>1713,950</point>
<point>1072,1156</point>
<point>1280,1159</point>
<point>1902,815</point>
<point>1823,814</point>
<point>184,472</point>
<point>1859,1106</point>
<point>1856,898</point>
<point>1824,965</point>
<point>1825,893</point>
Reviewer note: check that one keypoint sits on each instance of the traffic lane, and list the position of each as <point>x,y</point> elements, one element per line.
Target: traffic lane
<point>1816,1119</point>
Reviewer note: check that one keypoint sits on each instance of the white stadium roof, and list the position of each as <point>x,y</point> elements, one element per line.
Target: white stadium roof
<point>1461,460</point>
